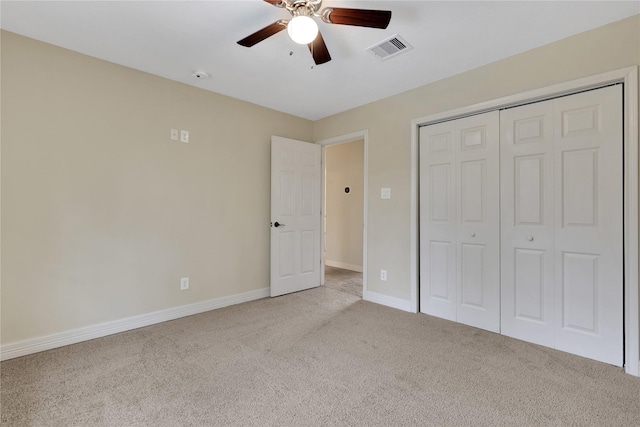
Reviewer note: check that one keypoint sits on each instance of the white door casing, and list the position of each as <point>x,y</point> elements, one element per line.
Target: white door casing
<point>351,137</point>
<point>562,225</point>
<point>459,218</point>
<point>295,207</point>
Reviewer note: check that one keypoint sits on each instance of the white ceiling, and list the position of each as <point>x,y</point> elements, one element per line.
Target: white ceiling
<point>172,38</point>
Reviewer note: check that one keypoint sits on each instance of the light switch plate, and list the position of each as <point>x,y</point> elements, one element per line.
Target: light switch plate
<point>385,193</point>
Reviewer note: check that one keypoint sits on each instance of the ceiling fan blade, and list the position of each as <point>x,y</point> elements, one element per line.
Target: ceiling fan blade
<point>264,33</point>
<point>277,3</point>
<point>319,50</point>
<point>358,17</point>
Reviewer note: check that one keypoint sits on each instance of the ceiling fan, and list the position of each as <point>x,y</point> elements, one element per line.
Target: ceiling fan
<point>303,29</point>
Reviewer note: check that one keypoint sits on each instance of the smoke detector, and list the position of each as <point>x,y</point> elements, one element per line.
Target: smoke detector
<point>200,74</point>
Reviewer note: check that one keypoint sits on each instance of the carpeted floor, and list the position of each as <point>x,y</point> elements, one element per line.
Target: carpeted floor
<point>318,357</point>
<point>343,280</point>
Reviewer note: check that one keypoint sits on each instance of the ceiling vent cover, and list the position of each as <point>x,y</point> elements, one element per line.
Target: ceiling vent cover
<point>393,46</point>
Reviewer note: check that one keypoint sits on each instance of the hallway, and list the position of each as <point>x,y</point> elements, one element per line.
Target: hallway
<point>343,280</point>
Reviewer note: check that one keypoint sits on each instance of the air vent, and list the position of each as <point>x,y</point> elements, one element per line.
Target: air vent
<point>393,46</point>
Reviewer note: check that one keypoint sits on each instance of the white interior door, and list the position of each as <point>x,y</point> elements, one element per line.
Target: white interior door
<point>438,220</point>
<point>478,230</point>
<point>527,223</point>
<point>562,224</point>
<point>589,225</point>
<point>459,220</point>
<point>295,215</point>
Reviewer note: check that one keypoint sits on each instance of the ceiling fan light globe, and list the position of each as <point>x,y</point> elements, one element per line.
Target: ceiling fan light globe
<point>302,29</point>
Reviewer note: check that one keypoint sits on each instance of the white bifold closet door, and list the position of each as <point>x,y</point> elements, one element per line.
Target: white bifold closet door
<point>562,225</point>
<point>460,220</point>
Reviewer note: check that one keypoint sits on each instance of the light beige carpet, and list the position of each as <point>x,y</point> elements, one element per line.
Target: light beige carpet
<point>319,357</point>
<point>343,280</point>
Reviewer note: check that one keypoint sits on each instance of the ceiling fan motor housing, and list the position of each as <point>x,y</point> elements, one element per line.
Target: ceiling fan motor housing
<point>303,7</point>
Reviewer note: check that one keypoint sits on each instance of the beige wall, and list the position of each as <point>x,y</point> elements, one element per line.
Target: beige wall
<point>388,121</point>
<point>102,213</point>
<point>344,211</point>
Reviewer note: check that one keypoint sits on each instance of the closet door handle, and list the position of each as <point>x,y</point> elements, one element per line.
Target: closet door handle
<point>530,238</point>
<point>473,234</point>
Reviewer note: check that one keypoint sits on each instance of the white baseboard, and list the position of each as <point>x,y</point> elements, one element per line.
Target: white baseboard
<point>399,303</point>
<point>48,342</point>
<point>338,264</point>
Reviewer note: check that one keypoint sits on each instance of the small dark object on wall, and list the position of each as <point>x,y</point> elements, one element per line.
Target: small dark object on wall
<point>347,190</point>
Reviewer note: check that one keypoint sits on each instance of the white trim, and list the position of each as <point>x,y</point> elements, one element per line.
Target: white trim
<point>48,342</point>
<point>343,265</point>
<point>414,224</point>
<point>393,302</point>
<point>628,76</point>
<point>632,320</point>
<point>343,139</point>
<point>323,204</point>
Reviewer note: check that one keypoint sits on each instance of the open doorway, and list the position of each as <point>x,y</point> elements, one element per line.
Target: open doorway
<point>343,216</point>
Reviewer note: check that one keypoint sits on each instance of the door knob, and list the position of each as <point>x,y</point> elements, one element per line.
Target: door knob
<point>277,224</point>
<point>473,234</point>
<point>530,238</point>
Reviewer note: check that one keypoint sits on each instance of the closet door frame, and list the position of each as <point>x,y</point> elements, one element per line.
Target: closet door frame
<point>627,76</point>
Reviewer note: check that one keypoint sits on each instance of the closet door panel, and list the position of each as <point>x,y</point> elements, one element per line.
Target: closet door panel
<point>561,206</point>
<point>588,213</point>
<point>478,229</point>
<point>438,220</point>
<point>529,285</point>
<point>527,223</point>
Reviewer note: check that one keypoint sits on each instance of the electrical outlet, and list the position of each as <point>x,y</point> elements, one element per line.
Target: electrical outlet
<point>383,275</point>
<point>184,136</point>
<point>173,134</point>
<point>184,283</point>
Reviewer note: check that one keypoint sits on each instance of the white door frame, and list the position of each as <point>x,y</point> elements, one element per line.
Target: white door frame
<point>628,76</point>
<point>343,139</point>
